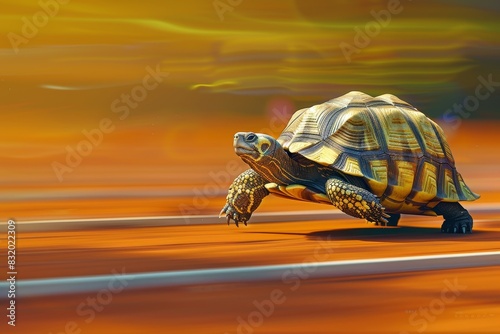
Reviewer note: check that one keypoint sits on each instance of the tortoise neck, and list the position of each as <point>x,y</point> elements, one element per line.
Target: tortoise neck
<point>280,168</point>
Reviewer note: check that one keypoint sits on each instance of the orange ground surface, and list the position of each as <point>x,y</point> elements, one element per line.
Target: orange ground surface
<point>372,304</point>
<point>194,179</point>
<point>171,154</point>
<point>398,303</point>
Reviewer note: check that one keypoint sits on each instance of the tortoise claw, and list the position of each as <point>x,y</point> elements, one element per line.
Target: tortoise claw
<point>378,216</point>
<point>462,226</point>
<point>231,214</point>
<point>381,222</point>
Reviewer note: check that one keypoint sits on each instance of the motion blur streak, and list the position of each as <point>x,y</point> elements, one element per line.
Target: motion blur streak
<point>84,84</point>
<point>55,286</point>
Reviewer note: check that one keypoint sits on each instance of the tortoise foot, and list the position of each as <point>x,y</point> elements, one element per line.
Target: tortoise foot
<point>232,214</point>
<point>456,218</point>
<point>393,219</point>
<point>461,225</point>
<point>244,196</point>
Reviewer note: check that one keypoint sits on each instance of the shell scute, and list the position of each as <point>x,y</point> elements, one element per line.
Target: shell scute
<point>402,155</point>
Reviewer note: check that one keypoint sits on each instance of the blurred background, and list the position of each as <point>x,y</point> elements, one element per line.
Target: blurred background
<point>128,108</point>
<point>114,109</point>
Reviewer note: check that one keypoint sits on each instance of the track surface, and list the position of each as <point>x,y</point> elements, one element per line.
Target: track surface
<point>311,268</point>
<point>295,301</point>
<point>121,254</point>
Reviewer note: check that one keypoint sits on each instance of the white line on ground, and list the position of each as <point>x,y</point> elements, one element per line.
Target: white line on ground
<point>82,284</point>
<point>264,217</point>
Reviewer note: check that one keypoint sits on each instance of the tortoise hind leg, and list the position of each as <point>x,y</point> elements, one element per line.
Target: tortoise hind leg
<point>456,218</point>
<point>355,201</point>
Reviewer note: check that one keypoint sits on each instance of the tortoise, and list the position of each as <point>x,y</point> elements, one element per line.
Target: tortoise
<point>371,157</point>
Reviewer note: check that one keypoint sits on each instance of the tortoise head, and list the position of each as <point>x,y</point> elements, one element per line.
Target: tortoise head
<point>254,146</point>
<point>266,156</point>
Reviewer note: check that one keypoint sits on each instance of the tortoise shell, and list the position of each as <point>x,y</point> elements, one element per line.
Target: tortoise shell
<point>401,154</point>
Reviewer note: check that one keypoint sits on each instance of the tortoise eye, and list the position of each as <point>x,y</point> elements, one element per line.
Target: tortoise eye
<point>251,137</point>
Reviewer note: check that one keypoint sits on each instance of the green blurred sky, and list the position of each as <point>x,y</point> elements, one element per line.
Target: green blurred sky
<point>429,52</point>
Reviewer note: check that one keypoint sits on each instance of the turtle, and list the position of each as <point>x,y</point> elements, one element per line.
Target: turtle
<point>373,158</point>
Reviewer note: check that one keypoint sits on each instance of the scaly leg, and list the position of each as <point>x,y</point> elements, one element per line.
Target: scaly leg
<point>355,201</point>
<point>244,196</point>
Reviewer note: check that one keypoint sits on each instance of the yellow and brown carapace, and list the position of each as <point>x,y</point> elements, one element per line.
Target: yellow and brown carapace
<point>371,157</point>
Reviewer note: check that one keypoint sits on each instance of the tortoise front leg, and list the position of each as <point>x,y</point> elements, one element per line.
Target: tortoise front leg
<point>393,219</point>
<point>355,201</point>
<point>244,196</point>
